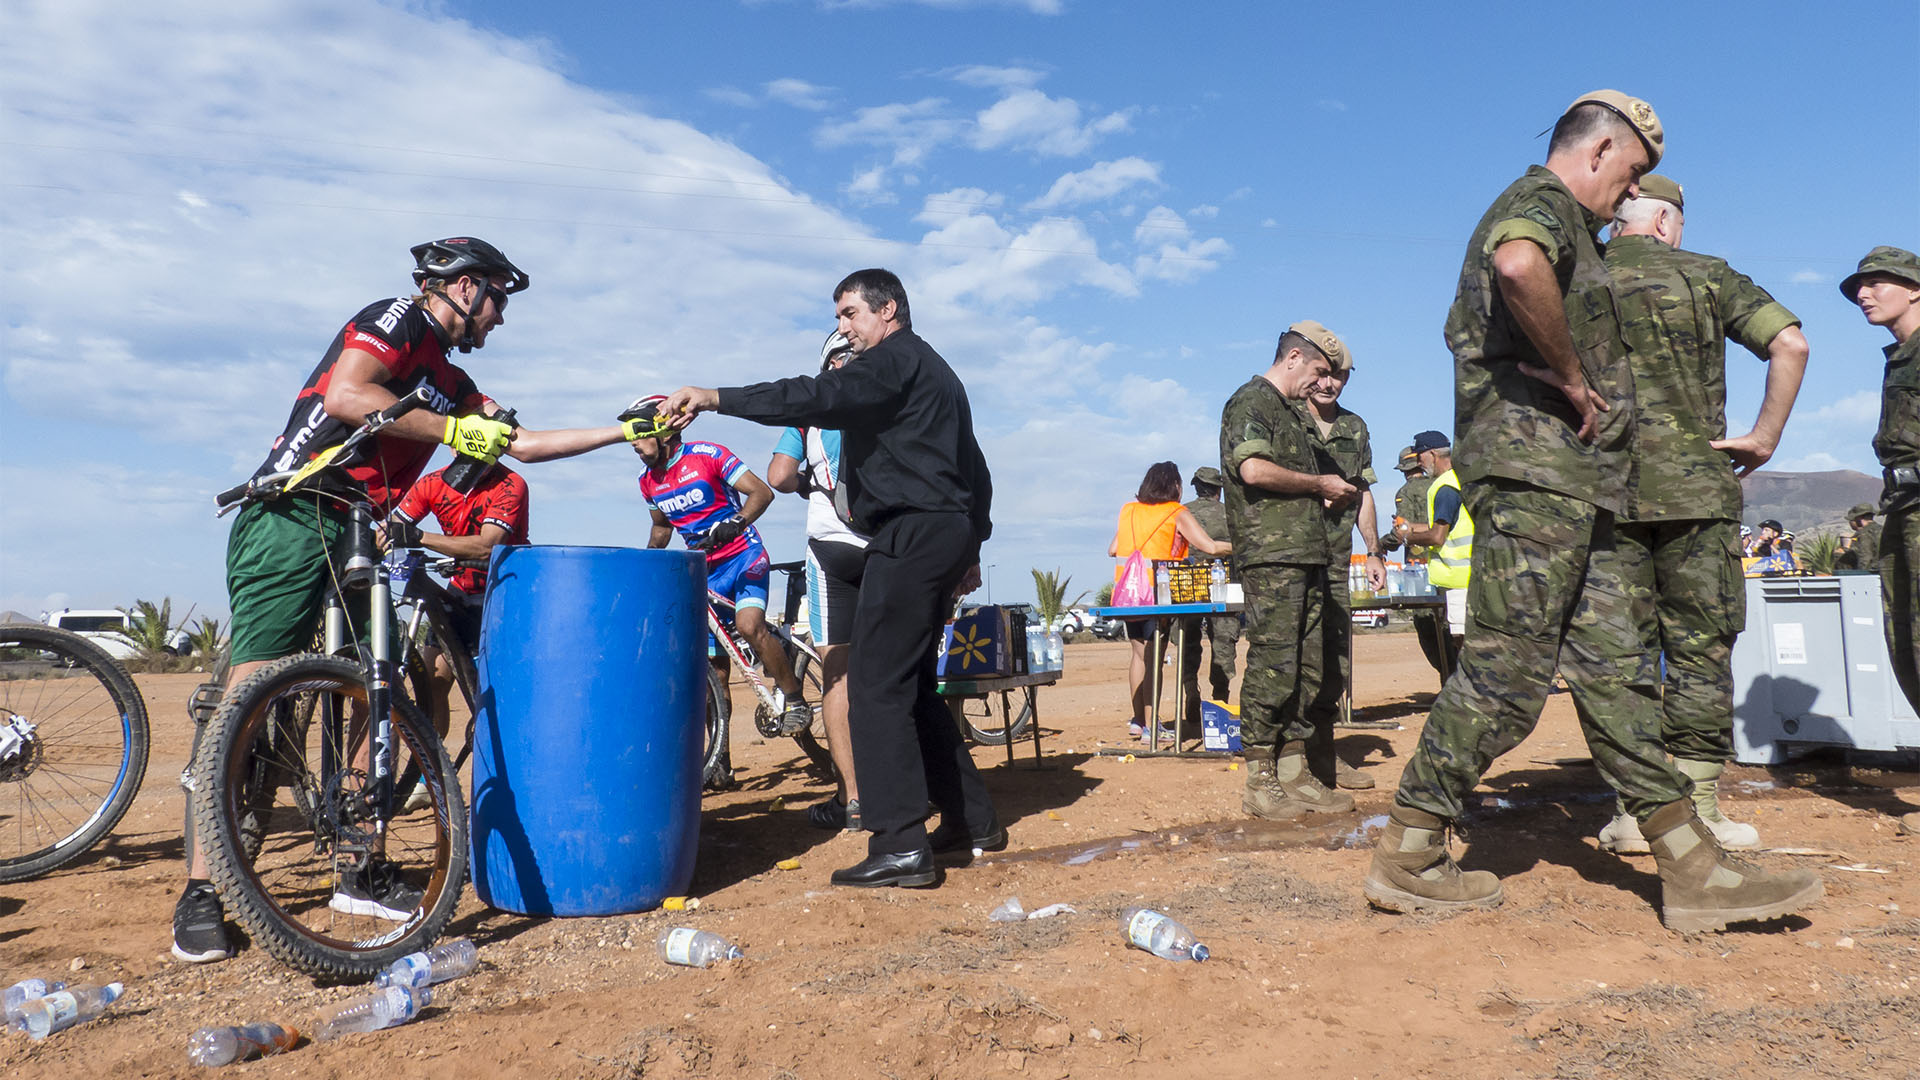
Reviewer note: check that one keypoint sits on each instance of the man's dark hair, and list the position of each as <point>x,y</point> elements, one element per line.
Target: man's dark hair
<point>1205,491</point>
<point>1291,340</point>
<point>876,287</point>
<point>1583,123</point>
<point>1161,485</point>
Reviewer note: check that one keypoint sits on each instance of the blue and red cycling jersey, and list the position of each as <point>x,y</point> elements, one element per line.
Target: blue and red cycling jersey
<point>694,491</point>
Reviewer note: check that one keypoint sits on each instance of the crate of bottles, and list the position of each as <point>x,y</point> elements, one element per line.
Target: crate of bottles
<point>1188,583</point>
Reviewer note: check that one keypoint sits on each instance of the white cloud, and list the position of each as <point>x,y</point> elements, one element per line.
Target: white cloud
<point>1036,7</point>
<point>870,187</point>
<point>996,78</point>
<point>1031,120</point>
<point>1204,210</point>
<point>1330,105</point>
<point>1171,253</point>
<point>1810,277</point>
<point>1102,181</point>
<point>798,93</point>
<point>959,201</point>
<point>732,95</point>
<point>1857,411</point>
<point>909,129</point>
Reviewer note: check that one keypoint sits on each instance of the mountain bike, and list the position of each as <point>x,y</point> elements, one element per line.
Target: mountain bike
<point>797,642</point>
<point>73,747</point>
<point>294,784</point>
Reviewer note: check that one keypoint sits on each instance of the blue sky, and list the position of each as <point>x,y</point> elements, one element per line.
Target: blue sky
<point>1104,213</point>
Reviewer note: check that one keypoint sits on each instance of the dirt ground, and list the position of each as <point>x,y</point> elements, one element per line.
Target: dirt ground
<point>1573,977</point>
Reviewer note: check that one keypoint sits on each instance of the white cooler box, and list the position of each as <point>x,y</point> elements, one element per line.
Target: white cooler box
<point>1811,670</point>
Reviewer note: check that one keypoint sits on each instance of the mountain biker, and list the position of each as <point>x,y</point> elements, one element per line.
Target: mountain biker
<point>710,497</point>
<point>807,460</point>
<point>471,524</point>
<point>279,554</point>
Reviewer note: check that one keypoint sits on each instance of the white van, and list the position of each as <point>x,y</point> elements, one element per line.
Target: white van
<point>105,627</point>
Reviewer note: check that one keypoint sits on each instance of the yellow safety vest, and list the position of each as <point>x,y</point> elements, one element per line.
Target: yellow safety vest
<point>1450,564</point>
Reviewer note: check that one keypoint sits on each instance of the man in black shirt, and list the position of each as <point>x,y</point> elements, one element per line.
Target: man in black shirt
<point>914,479</point>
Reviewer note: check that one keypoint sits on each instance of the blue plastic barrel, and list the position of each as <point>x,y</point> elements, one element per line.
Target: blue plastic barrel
<point>586,762</point>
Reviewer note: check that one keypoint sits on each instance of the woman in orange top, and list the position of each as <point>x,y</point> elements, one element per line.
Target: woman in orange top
<point>1158,527</point>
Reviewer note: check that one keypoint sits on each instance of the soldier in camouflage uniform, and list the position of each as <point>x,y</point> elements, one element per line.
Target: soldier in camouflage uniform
<point>1543,417</point>
<point>1861,551</point>
<point>1887,288</point>
<point>1221,631</point>
<point>1275,498</point>
<point>1343,449</point>
<point>1680,533</point>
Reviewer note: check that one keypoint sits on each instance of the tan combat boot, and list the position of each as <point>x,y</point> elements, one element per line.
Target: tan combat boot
<point>1706,802</point>
<point>1622,835</point>
<point>1704,888</point>
<point>1350,778</point>
<point>1412,870</point>
<point>1291,773</point>
<point>1263,797</point>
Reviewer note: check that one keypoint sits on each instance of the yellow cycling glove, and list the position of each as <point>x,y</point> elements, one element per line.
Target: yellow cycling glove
<point>477,437</point>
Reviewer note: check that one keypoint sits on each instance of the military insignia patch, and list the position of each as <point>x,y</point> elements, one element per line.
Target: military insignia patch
<point>1642,115</point>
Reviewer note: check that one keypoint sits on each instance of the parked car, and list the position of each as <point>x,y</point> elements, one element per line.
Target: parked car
<point>109,628</point>
<point>1370,618</point>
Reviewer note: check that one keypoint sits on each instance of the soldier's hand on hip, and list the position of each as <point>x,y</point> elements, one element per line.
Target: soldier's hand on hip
<point>1748,451</point>
<point>1585,399</point>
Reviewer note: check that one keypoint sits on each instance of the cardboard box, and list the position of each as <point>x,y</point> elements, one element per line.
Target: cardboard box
<point>1220,727</point>
<point>985,642</point>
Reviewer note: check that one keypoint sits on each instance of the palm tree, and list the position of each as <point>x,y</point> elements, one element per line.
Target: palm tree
<point>1818,553</point>
<point>153,630</point>
<point>207,638</point>
<point>1050,597</point>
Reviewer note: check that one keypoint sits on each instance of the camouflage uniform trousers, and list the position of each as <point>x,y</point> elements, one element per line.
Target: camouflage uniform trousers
<point>1286,612</point>
<point>1687,577</point>
<point>1899,596</point>
<point>1222,634</point>
<point>1548,588</point>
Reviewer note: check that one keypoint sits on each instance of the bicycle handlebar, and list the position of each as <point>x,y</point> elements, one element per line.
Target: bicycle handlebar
<point>277,482</point>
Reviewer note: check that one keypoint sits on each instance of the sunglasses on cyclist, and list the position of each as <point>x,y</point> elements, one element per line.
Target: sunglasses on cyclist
<point>499,298</point>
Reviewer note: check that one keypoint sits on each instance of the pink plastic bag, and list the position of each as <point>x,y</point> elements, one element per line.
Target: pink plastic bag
<point>1135,588</point>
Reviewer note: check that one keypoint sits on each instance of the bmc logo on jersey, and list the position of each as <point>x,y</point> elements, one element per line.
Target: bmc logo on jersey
<point>394,311</point>
<point>686,500</point>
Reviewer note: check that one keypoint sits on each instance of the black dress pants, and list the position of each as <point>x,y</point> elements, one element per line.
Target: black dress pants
<point>907,750</point>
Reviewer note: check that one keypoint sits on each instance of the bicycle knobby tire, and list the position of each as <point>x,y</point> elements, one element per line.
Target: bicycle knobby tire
<point>89,751</point>
<point>284,894</point>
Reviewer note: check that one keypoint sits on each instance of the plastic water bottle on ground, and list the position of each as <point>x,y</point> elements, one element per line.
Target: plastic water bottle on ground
<point>1010,911</point>
<point>688,947</point>
<point>226,1045</point>
<point>385,1007</point>
<point>22,992</point>
<point>447,960</point>
<point>1161,935</point>
<point>63,1009</point>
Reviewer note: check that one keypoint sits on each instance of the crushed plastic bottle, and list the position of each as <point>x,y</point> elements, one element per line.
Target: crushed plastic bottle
<point>225,1045</point>
<point>1009,911</point>
<point>447,960</point>
<point>384,1007</point>
<point>22,992</point>
<point>63,1009</point>
<point>1161,934</point>
<point>688,947</point>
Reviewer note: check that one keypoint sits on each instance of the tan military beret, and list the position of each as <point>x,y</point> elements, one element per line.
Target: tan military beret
<point>1884,259</point>
<point>1409,461</point>
<point>1653,186</point>
<point>1638,114</point>
<point>1326,341</point>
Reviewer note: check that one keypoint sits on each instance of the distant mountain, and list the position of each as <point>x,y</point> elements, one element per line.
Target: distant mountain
<point>1807,501</point>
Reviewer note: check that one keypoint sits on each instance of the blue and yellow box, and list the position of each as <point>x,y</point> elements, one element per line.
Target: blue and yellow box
<point>1220,727</point>
<point>985,642</point>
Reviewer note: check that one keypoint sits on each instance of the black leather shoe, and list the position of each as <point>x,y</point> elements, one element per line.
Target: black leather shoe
<point>952,838</point>
<point>912,869</point>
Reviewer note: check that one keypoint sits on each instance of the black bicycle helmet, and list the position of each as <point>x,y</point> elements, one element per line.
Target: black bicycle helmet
<point>456,256</point>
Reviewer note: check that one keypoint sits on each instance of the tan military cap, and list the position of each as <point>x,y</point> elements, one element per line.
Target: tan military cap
<point>1884,259</point>
<point>1207,474</point>
<point>1659,187</point>
<point>1638,114</point>
<point>1326,341</point>
<point>1409,461</point>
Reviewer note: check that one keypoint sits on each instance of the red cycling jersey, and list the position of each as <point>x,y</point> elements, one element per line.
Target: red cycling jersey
<point>499,499</point>
<point>407,342</point>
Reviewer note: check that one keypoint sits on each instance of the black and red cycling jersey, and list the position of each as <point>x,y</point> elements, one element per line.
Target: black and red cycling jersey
<point>499,499</point>
<point>406,340</point>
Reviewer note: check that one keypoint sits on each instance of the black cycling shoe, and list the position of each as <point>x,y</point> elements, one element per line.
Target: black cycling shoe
<point>377,891</point>
<point>910,869</point>
<point>199,926</point>
<point>834,814</point>
<point>797,717</point>
<point>952,838</point>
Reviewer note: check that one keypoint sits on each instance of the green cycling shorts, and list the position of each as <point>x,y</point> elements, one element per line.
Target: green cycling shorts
<point>278,574</point>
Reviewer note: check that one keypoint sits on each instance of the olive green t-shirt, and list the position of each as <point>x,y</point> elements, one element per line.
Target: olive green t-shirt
<point>1507,423</point>
<point>1677,310</point>
<point>1267,527</point>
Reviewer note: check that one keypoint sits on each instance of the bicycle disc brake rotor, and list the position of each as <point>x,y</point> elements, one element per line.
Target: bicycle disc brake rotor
<point>20,749</point>
<point>345,815</point>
